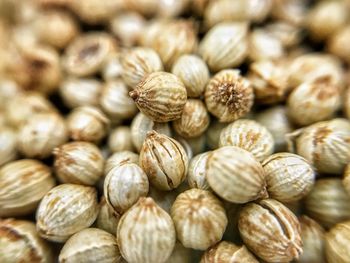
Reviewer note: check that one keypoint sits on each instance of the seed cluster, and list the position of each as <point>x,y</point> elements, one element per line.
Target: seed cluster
<point>174,131</point>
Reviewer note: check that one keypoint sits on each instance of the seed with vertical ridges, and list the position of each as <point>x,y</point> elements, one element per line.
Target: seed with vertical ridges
<point>23,184</point>
<point>200,219</point>
<point>65,210</point>
<point>271,231</point>
<point>124,185</point>
<point>90,245</point>
<point>161,96</point>
<point>228,252</point>
<point>146,233</point>
<point>164,160</point>
<point>289,177</point>
<point>235,175</point>
<point>19,242</point>
<point>250,136</point>
<point>337,243</point>
<point>194,119</point>
<point>78,163</point>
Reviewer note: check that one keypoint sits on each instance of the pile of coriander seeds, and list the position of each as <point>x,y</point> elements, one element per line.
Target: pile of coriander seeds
<point>174,131</point>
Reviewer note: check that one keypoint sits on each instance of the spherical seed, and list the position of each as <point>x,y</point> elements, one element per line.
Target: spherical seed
<point>228,95</point>
<point>199,217</point>
<point>235,175</point>
<point>146,233</point>
<point>160,96</point>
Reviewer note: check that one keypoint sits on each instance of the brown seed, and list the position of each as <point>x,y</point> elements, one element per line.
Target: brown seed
<point>313,237</point>
<point>194,119</point>
<point>78,163</point>
<point>164,160</point>
<point>19,242</point>
<point>328,202</point>
<point>235,175</point>
<point>199,217</point>
<point>228,95</point>
<point>228,252</point>
<point>271,231</point>
<point>161,96</point>
<point>337,243</point>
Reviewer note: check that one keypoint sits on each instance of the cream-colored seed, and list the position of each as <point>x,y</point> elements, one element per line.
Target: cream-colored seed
<point>23,184</point>
<point>40,135</point>
<point>65,210</point>
<point>314,101</point>
<point>161,96</point>
<point>308,67</point>
<point>228,95</point>
<point>290,35</point>
<point>120,140</point>
<point>164,160</point>
<point>9,91</point>
<point>199,217</point>
<point>26,105</point>
<point>36,67</point>
<point>213,134</point>
<point>271,231</point>
<point>90,245</point>
<point>19,242</point>
<point>275,119</point>
<point>228,252</point>
<point>194,119</point>
<point>193,72</point>
<point>264,46</point>
<point>241,10</point>
<point>250,136</point>
<point>147,8</point>
<point>76,92</point>
<point>337,243</point>
<point>269,80</point>
<point>290,11</point>
<point>338,44</point>
<point>86,55</point>
<point>56,28</point>
<point>326,145</point>
<point>107,219</point>
<point>151,30</point>
<point>141,125</point>
<point>120,158</point>
<point>313,237</point>
<point>95,11</point>
<point>116,102</point>
<point>112,68</point>
<point>127,26</point>
<point>146,233</point>
<point>197,171</point>
<point>235,175</point>
<point>124,185</point>
<point>177,38</point>
<point>8,145</point>
<point>225,45</point>
<point>138,63</point>
<point>328,202</point>
<point>334,12</point>
<point>173,8</point>
<point>78,163</point>
<point>289,177</point>
<point>87,123</point>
